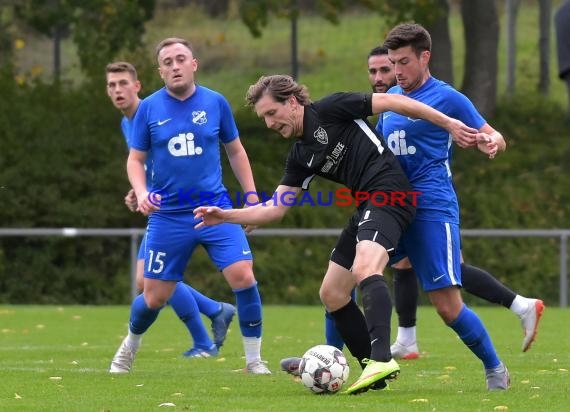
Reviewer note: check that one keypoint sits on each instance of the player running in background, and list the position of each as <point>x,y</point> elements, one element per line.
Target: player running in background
<point>335,140</point>
<point>182,126</point>
<point>123,88</point>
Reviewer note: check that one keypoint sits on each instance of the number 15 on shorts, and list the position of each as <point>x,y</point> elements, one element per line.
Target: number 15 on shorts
<point>155,261</point>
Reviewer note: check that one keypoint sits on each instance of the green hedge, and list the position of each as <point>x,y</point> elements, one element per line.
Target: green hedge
<point>62,165</point>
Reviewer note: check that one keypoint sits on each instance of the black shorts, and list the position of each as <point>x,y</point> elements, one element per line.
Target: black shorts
<point>381,224</point>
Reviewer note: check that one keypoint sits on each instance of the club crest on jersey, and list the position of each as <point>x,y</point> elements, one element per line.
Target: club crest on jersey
<point>199,117</point>
<point>321,135</point>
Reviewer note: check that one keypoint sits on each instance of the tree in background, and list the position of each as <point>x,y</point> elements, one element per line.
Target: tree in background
<point>212,8</point>
<point>441,62</point>
<point>545,13</point>
<point>480,20</point>
<point>6,40</point>
<point>481,28</point>
<point>100,28</point>
<point>52,18</point>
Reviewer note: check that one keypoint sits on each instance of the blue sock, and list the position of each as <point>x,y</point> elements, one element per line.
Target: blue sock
<point>186,308</point>
<point>331,332</point>
<point>207,306</point>
<point>249,311</point>
<point>353,294</point>
<point>473,333</point>
<point>141,316</point>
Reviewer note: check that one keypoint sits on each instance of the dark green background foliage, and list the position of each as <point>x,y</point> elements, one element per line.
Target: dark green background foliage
<point>71,173</point>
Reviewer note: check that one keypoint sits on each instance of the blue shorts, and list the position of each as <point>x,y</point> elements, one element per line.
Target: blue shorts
<point>434,249</point>
<point>171,240</point>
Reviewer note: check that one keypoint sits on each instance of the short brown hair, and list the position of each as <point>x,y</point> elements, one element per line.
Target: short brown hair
<point>409,34</point>
<point>173,40</point>
<point>278,86</point>
<point>122,67</point>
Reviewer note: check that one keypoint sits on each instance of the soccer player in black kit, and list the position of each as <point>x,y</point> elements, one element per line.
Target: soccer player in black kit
<point>334,140</point>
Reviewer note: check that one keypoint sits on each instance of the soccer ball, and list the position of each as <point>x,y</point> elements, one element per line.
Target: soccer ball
<point>324,369</point>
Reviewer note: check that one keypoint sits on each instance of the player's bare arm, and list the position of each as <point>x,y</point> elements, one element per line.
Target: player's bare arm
<point>241,167</point>
<point>272,210</point>
<point>239,161</point>
<point>462,134</point>
<point>137,177</point>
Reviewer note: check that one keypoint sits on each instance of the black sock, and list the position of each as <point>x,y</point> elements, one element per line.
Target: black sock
<point>482,284</point>
<point>377,311</point>
<point>406,296</point>
<point>351,325</point>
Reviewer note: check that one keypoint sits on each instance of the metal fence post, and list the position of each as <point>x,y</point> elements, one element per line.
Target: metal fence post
<point>563,270</point>
<point>134,258</point>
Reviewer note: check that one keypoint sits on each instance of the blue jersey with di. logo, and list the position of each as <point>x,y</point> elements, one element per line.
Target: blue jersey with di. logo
<point>424,149</point>
<point>184,138</point>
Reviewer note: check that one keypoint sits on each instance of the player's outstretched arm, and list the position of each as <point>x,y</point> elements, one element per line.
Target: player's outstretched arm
<point>462,134</point>
<point>273,209</point>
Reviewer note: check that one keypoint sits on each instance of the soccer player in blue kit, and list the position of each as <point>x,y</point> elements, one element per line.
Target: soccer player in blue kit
<point>334,139</point>
<point>475,280</point>
<point>182,124</point>
<point>123,87</point>
<point>432,241</point>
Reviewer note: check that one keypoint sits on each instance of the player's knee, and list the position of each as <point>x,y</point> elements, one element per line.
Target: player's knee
<point>333,298</point>
<point>446,314</point>
<point>154,302</point>
<point>447,306</point>
<point>239,275</point>
<point>240,280</point>
<point>361,272</point>
<point>371,259</point>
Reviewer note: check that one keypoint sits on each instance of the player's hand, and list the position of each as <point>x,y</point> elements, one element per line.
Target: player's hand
<point>148,202</point>
<point>131,200</point>
<point>210,215</point>
<point>487,144</point>
<point>462,134</point>
<point>250,201</point>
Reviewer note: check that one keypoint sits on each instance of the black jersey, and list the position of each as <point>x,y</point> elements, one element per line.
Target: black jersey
<point>339,144</point>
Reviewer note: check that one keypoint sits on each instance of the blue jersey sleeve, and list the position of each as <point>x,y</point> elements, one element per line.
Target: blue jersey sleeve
<point>461,108</point>
<point>228,128</point>
<point>140,133</point>
<point>126,129</point>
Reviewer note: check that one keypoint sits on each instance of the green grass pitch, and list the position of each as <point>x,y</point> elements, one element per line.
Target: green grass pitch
<point>57,358</point>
